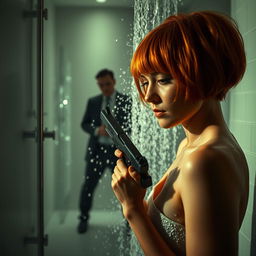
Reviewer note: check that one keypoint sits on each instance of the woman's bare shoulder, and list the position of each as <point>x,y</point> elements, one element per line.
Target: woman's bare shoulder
<point>214,158</point>
<point>218,162</point>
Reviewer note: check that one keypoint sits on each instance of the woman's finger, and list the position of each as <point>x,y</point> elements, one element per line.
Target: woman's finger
<point>117,172</point>
<point>114,177</point>
<point>114,180</point>
<point>121,166</point>
<point>118,153</point>
<point>135,175</point>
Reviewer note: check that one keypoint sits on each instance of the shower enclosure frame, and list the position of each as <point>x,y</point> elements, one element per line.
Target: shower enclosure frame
<point>39,134</point>
<point>40,125</point>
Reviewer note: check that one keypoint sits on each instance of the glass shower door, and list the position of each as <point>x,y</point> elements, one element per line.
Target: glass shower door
<point>38,14</point>
<point>21,232</point>
<point>40,133</point>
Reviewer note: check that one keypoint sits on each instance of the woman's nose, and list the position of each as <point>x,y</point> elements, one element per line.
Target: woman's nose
<point>151,95</point>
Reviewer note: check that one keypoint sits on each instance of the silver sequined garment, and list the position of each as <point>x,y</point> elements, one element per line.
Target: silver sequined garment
<point>172,232</point>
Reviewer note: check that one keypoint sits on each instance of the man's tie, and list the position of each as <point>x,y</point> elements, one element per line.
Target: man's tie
<point>107,101</point>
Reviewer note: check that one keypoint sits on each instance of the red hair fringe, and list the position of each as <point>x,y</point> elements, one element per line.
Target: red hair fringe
<point>203,52</point>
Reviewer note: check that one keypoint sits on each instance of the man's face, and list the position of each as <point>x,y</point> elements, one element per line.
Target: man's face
<point>106,85</point>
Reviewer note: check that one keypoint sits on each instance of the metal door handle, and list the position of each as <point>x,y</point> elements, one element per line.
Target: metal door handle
<point>33,134</point>
<point>49,134</point>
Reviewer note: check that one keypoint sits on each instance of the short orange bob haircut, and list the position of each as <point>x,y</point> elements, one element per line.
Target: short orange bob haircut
<point>203,51</point>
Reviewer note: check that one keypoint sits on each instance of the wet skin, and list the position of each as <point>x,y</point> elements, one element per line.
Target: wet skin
<point>160,91</point>
<point>208,181</point>
<point>205,130</point>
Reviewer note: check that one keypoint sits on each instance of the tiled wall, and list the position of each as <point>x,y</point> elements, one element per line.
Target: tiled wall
<point>243,115</point>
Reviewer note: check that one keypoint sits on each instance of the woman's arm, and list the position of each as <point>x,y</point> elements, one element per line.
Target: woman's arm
<point>126,186</point>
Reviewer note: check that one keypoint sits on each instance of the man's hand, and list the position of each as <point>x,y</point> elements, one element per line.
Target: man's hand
<point>102,131</point>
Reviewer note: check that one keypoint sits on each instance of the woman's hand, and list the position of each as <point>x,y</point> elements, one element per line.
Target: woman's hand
<point>126,185</point>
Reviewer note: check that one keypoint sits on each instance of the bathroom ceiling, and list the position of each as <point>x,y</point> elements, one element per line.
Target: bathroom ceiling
<point>115,3</point>
<point>183,5</point>
<point>109,3</point>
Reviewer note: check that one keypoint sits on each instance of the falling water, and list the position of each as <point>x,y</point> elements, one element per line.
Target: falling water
<point>156,144</point>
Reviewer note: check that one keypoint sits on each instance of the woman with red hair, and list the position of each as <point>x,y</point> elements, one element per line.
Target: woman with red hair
<point>183,69</point>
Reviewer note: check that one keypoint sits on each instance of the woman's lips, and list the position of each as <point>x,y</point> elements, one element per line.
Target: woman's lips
<point>158,112</point>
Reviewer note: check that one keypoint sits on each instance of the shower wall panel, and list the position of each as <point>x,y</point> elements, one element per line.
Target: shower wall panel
<point>243,116</point>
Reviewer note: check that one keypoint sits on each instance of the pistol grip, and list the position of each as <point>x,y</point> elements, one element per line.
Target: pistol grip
<point>126,161</point>
<point>145,181</point>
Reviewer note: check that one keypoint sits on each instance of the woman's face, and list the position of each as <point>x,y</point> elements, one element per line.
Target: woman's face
<point>159,91</point>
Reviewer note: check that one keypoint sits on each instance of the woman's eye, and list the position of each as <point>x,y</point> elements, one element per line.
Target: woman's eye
<point>143,84</point>
<point>164,81</point>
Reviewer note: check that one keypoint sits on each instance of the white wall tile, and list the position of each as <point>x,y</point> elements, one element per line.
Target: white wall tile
<point>249,107</point>
<point>242,105</point>
<point>244,246</point>
<point>241,17</point>
<point>250,200</point>
<point>249,79</point>
<point>251,45</point>
<point>253,140</point>
<point>237,5</point>
<point>251,161</point>
<point>251,14</point>
<point>246,228</point>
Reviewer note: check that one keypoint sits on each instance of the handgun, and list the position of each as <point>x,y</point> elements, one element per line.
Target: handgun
<point>132,156</point>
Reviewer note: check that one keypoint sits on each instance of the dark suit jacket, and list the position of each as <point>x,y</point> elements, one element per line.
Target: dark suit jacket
<point>91,119</point>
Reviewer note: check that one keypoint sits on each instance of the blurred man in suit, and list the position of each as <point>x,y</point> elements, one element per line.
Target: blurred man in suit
<point>100,150</point>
